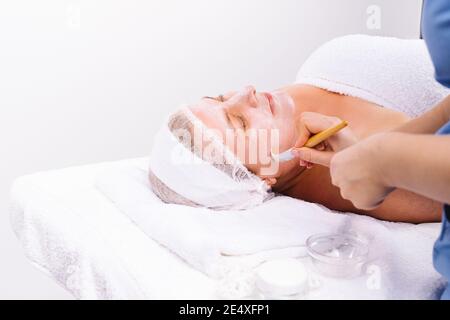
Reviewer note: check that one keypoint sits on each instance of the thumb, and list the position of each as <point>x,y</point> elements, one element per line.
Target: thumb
<point>303,135</point>
<point>314,156</point>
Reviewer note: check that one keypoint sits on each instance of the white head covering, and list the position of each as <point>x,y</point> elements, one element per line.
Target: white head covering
<point>220,182</point>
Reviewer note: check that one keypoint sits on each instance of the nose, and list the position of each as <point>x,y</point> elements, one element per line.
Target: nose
<point>245,97</point>
<point>250,92</point>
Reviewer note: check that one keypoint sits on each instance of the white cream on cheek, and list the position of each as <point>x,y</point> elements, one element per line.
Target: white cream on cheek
<point>256,120</point>
<point>261,139</point>
<point>285,120</point>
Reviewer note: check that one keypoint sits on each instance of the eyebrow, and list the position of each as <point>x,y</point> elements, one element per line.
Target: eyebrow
<point>212,98</point>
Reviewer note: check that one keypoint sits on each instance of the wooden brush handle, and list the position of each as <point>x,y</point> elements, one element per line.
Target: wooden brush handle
<point>324,135</point>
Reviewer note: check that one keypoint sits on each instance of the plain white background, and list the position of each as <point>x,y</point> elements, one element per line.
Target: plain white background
<point>89,81</point>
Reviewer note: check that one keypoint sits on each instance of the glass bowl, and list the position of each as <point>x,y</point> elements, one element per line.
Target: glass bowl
<point>338,255</point>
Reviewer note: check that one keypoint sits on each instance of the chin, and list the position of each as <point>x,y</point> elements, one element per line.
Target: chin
<point>286,103</point>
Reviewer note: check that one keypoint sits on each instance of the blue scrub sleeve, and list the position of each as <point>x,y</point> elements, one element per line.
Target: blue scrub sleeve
<point>436,32</point>
<point>441,252</point>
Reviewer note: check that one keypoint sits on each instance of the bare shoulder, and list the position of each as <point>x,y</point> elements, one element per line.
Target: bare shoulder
<point>406,206</point>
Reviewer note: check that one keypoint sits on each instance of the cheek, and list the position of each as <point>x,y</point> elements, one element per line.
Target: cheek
<point>254,152</point>
<point>269,134</point>
<point>245,148</point>
<point>286,135</point>
<point>259,120</point>
<point>252,149</point>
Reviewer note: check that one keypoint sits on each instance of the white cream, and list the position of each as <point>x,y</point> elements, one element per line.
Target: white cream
<point>281,278</point>
<point>283,157</point>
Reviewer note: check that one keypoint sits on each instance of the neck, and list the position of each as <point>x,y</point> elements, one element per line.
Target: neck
<point>288,179</point>
<point>305,99</point>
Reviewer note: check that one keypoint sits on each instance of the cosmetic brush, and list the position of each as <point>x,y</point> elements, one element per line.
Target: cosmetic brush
<point>311,143</point>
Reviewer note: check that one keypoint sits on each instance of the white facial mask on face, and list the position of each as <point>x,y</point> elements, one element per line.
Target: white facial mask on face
<point>223,185</point>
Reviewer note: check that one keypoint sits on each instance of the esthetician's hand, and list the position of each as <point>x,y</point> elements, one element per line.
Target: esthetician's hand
<point>311,123</point>
<point>358,172</point>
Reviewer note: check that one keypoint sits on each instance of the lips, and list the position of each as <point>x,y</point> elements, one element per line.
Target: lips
<point>270,101</point>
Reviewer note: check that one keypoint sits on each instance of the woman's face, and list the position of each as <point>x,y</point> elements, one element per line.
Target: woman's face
<point>251,124</point>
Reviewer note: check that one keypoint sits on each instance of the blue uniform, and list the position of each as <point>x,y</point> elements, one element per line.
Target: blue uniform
<point>441,252</point>
<point>436,32</point>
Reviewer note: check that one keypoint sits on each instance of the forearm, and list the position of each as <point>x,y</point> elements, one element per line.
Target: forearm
<point>429,122</point>
<point>418,163</point>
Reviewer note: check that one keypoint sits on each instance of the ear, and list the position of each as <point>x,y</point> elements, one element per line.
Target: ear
<point>270,181</point>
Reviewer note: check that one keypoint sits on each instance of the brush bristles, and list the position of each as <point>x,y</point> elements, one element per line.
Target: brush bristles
<point>282,157</point>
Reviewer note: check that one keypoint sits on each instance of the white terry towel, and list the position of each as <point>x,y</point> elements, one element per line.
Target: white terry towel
<point>233,242</point>
<point>393,73</point>
<point>211,241</point>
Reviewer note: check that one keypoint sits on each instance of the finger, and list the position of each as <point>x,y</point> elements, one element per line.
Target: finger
<point>302,133</point>
<point>311,123</point>
<point>314,156</point>
<point>317,122</point>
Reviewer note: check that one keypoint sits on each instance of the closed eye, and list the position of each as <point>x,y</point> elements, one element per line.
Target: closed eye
<point>241,122</point>
<point>236,121</point>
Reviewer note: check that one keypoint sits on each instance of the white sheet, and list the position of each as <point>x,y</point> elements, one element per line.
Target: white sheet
<point>80,239</point>
<point>84,242</point>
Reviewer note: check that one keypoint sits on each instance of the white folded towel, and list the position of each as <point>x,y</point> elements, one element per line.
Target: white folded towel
<point>212,240</point>
<point>226,242</point>
<point>393,73</point>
